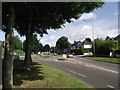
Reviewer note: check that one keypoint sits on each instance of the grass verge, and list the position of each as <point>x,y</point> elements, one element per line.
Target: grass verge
<point>105,59</point>
<point>44,76</point>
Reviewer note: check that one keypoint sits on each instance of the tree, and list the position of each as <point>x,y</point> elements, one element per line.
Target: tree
<point>63,45</point>
<point>17,43</point>
<point>3,44</point>
<point>8,22</point>
<point>36,46</point>
<point>40,47</point>
<point>27,19</point>
<point>46,48</point>
<point>104,47</point>
<point>53,16</point>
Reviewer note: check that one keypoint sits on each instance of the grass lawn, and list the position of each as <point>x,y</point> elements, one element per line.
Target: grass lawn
<point>43,76</point>
<point>106,59</point>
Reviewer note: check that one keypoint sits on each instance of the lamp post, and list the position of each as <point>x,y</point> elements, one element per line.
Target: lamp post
<point>93,37</point>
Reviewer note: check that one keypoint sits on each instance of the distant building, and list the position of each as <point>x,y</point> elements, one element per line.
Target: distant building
<point>79,44</point>
<point>117,37</point>
<point>87,44</point>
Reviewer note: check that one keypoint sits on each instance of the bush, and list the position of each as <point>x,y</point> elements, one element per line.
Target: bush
<point>77,51</point>
<point>117,51</point>
<point>86,50</point>
<point>103,47</point>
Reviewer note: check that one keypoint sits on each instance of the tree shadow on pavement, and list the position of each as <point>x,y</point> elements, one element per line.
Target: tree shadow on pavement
<point>19,74</point>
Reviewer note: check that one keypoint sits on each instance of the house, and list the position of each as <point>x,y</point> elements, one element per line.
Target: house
<point>87,44</point>
<point>76,45</point>
<point>117,37</point>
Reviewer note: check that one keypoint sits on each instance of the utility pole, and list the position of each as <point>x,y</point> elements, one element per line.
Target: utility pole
<point>92,37</point>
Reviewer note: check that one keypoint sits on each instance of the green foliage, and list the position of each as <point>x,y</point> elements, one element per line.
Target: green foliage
<point>17,43</point>
<point>63,45</point>
<point>86,50</point>
<point>53,16</point>
<point>46,48</point>
<point>19,52</point>
<point>77,52</point>
<point>3,44</point>
<point>104,47</point>
<point>36,46</point>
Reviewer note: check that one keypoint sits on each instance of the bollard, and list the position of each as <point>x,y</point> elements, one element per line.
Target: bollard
<point>64,56</point>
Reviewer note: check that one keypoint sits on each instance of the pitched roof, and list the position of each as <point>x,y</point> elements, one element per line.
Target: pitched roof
<point>85,42</point>
<point>117,37</point>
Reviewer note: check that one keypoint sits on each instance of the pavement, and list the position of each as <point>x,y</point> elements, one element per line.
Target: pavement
<point>97,74</point>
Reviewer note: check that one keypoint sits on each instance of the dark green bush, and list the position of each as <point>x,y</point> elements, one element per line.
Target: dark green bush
<point>77,51</point>
<point>86,50</point>
<point>103,47</point>
<point>117,51</point>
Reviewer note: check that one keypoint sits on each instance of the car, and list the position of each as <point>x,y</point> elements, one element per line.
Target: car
<point>69,55</point>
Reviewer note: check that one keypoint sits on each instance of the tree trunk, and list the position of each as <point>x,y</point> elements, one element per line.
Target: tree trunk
<point>7,72</point>
<point>28,59</point>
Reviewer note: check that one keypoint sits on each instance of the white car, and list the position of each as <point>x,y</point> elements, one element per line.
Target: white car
<point>69,55</point>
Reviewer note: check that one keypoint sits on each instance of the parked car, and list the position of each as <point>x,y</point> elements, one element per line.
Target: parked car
<point>69,55</point>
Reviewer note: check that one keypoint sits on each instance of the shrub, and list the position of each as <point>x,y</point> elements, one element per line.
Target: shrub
<point>103,47</point>
<point>77,51</point>
<point>117,51</point>
<point>86,50</point>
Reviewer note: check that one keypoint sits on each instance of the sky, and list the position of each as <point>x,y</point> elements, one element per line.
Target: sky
<point>103,22</point>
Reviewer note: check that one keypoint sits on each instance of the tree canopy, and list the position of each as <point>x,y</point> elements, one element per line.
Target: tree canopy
<point>36,45</point>
<point>17,43</point>
<point>46,48</point>
<point>30,17</point>
<point>63,45</point>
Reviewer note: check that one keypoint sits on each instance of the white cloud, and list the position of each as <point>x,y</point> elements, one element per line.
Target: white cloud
<point>80,31</point>
<point>87,16</point>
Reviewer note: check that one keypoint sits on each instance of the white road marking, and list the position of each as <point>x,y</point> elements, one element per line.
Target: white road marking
<point>92,66</point>
<point>87,65</point>
<point>110,86</point>
<point>71,62</point>
<point>76,73</point>
<point>97,67</point>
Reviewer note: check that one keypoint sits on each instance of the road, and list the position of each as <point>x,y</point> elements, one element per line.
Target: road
<point>94,73</point>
